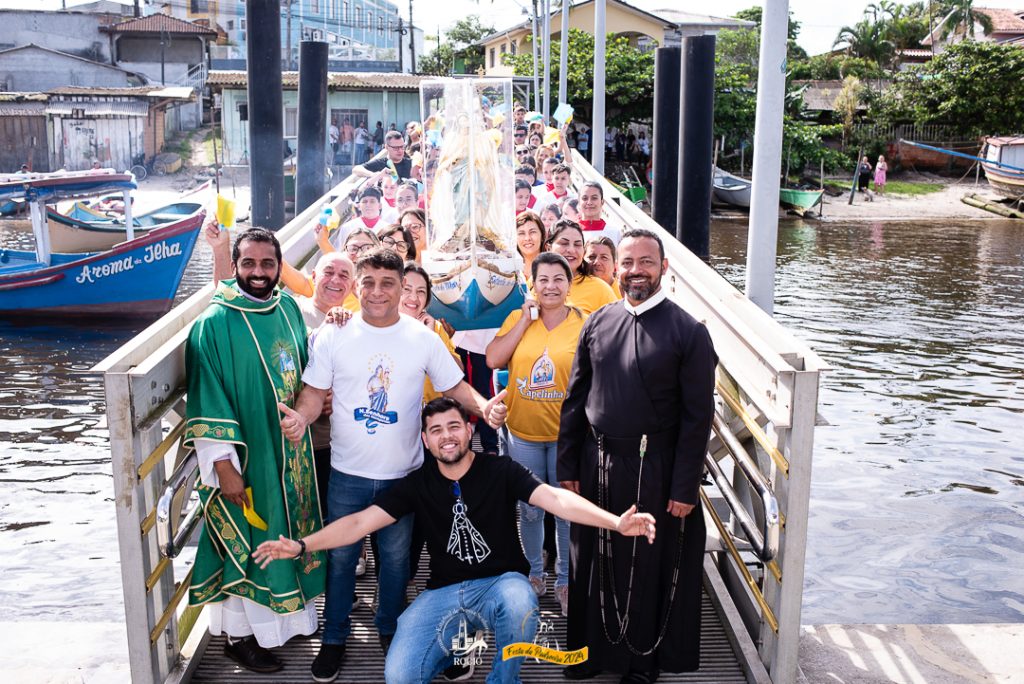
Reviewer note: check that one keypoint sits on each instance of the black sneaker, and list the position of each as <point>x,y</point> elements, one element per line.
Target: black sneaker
<point>580,671</point>
<point>385,643</point>
<point>249,654</point>
<point>457,673</point>
<point>327,664</point>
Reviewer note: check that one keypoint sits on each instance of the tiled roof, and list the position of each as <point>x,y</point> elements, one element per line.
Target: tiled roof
<point>152,91</point>
<point>1004,20</point>
<point>335,80</point>
<point>820,96</point>
<point>157,23</point>
<point>914,52</point>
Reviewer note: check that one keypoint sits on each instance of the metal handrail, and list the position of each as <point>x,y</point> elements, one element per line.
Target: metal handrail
<point>170,542</point>
<point>764,541</point>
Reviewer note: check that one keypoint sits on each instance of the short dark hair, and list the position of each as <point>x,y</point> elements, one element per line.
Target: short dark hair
<point>255,234</point>
<point>637,233</point>
<point>526,169</point>
<point>560,168</point>
<point>530,161</point>
<point>550,258</point>
<point>413,267</point>
<point>528,216</point>
<point>550,160</point>
<point>553,208</point>
<point>382,258</point>
<point>595,185</point>
<point>441,405</point>
<point>406,236</point>
<point>560,227</point>
<point>370,191</point>
<point>409,184</point>
<point>522,185</point>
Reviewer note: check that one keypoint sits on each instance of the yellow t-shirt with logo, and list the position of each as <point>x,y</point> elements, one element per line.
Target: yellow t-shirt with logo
<point>429,393</point>
<point>590,293</point>
<point>538,375</point>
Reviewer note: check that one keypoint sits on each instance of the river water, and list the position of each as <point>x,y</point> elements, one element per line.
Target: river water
<point>918,483</point>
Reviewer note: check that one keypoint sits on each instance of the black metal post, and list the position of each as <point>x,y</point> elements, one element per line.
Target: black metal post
<point>312,154</point>
<point>266,113</point>
<point>696,140</point>
<point>665,150</point>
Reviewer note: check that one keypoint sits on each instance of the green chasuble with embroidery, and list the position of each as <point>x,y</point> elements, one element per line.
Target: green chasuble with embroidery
<point>243,357</point>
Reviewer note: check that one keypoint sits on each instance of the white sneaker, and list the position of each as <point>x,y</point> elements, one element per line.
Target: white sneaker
<point>361,566</point>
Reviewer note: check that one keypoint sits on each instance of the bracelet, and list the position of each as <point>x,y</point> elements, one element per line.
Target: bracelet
<point>302,549</point>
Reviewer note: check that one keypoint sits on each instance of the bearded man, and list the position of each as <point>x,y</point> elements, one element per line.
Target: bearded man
<point>245,354</point>
<point>634,430</point>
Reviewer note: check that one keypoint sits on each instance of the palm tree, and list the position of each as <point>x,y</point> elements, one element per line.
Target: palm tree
<point>961,20</point>
<point>866,39</point>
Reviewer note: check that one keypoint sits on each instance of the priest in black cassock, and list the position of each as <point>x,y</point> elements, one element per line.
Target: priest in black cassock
<point>634,429</point>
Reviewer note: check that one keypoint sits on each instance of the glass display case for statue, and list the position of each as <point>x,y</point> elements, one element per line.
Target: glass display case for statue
<point>468,174</point>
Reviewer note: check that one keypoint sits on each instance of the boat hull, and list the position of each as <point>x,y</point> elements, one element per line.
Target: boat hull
<point>1005,183</point>
<point>136,278</point>
<point>800,201</point>
<point>73,235</point>
<point>730,189</point>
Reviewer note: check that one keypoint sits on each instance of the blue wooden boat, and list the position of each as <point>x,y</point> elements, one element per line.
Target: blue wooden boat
<point>138,277</point>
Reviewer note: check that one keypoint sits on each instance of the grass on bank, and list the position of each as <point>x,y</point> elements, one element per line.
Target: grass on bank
<point>895,187</point>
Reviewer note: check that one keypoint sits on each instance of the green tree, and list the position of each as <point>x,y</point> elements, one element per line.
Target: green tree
<point>832,67</point>
<point>739,47</point>
<point>961,19</point>
<point>867,39</point>
<point>461,43</point>
<point>793,51</point>
<point>973,85</point>
<point>629,76</point>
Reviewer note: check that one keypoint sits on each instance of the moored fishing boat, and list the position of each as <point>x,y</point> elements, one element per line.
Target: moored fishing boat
<point>1004,161</point>
<point>800,201</point>
<point>140,276</point>
<point>73,234</point>
<point>731,189</point>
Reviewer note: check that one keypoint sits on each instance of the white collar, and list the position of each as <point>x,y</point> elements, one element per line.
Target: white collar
<point>646,305</point>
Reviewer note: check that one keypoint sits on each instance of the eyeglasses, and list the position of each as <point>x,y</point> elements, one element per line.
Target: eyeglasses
<point>396,147</point>
<point>520,135</point>
<point>414,227</point>
<point>359,249</point>
<point>400,245</point>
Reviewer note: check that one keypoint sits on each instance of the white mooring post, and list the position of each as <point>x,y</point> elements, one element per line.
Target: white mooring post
<point>597,129</point>
<point>129,223</point>
<point>764,202</point>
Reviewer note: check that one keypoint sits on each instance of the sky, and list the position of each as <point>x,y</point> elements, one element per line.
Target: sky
<point>820,19</point>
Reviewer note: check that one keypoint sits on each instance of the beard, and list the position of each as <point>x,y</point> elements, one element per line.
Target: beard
<point>639,290</point>
<point>454,458</point>
<point>259,287</point>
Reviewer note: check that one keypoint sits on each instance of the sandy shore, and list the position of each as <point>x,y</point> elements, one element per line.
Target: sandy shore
<point>942,204</point>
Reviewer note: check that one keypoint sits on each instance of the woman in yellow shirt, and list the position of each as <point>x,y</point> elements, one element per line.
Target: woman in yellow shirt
<point>538,344</point>
<point>600,254</point>
<point>589,293</point>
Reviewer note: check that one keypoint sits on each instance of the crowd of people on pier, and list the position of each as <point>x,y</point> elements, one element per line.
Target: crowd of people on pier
<point>343,411</point>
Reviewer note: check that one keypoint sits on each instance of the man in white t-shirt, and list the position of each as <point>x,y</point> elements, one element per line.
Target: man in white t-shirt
<point>375,365</point>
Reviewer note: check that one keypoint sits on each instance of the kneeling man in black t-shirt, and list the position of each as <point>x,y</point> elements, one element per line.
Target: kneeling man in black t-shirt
<point>466,505</point>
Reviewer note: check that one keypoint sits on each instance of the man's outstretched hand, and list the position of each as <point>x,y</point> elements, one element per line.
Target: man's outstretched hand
<point>633,524</point>
<point>496,411</point>
<point>293,425</point>
<point>273,550</point>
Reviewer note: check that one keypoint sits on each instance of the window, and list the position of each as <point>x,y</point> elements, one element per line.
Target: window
<point>512,47</point>
<point>332,6</point>
<point>198,6</point>
<point>241,24</point>
<point>380,25</point>
<point>291,115</point>
<point>369,20</point>
<point>231,25</point>
<point>358,16</point>
<point>344,10</point>
<point>503,48</point>
<point>492,57</point>
<point>315,6</point>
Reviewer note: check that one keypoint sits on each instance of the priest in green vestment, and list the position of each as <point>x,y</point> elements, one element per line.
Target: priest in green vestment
<point>245,354</point>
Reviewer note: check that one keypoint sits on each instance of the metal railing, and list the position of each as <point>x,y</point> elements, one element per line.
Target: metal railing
<point>144,384</point>
<point>764,428</point>
<point>767,384</point>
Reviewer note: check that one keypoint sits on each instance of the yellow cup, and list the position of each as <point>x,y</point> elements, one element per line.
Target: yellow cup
<point>225,212</point>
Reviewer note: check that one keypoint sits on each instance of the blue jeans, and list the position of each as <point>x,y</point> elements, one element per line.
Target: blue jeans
<point>539,458</point>
<point>349,494</point>
<point>422,648</point>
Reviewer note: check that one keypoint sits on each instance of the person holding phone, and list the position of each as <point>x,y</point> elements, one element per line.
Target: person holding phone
<point>538,344</point>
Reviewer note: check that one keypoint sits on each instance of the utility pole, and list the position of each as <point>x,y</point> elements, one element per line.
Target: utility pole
<point>536,76</point>
<point>597,129</point>
<point>288,35</point>
<point>563,56</point>
<point>547,61</point>
<point>412,42</point>
<point>138,10</point>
